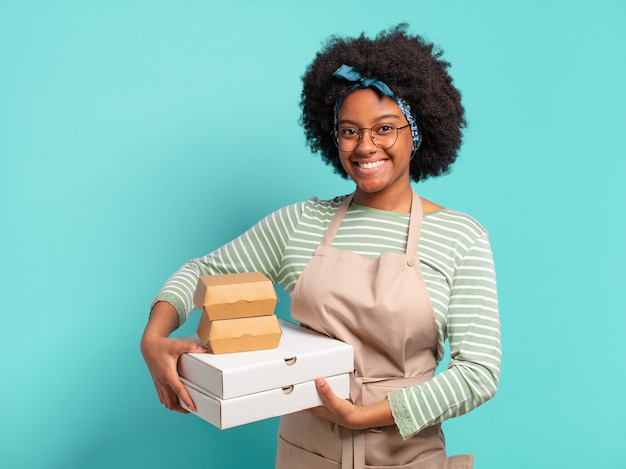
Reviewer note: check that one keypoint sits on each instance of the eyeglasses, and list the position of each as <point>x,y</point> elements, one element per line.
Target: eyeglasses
<point>383,135</point>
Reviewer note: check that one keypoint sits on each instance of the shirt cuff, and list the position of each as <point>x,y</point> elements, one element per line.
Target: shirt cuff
<point>401,415</point>
<point>176,302</point>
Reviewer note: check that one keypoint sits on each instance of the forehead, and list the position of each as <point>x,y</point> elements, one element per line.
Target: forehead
<point>365,105</point>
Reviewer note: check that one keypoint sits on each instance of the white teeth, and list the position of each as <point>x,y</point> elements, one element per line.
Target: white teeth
<point>374,164</point>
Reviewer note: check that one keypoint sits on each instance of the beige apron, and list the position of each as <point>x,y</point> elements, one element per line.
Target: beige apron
<point>382,308</point>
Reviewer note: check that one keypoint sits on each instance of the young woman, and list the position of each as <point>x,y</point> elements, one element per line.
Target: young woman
<point>390,273</point>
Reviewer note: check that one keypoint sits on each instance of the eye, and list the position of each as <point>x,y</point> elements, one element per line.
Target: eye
<point>348,132</point>
<point>384,129</point>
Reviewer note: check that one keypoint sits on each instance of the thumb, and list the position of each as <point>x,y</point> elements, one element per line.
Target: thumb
<point>324,389</point>
<point>192,347</point>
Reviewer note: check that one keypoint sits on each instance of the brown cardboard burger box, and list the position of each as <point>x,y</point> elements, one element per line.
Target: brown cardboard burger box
<point>237,312</point>
<point>230,296</point>
<point>237,388</point>
<point>240,335</point>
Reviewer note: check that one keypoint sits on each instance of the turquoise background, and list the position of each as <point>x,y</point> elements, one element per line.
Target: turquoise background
<point>135,135</point>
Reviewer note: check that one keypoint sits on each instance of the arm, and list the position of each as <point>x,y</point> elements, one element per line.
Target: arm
<point>473,330</point>
<point>259,249</point>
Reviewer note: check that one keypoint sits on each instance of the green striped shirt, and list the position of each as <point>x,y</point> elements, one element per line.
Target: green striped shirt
<point>457,265</point>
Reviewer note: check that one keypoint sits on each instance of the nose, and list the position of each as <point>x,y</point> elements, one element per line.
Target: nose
<point>366,142</point>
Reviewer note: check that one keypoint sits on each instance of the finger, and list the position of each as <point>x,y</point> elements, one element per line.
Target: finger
<point>170,389</point>
<point>325,391</point>
<point>180,391</point>
<point>192,347</point>
<point>172,403</point>
<point>160,394</point>
<point>174,381</point>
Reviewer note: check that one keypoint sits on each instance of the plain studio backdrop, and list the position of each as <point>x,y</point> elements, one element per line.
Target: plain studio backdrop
<point>135,135</point>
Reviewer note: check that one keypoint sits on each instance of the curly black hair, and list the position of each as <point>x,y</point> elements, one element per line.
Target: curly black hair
<point>415,72</point>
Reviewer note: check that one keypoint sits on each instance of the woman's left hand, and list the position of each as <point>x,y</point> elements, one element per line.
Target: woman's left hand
<point>346,414</point>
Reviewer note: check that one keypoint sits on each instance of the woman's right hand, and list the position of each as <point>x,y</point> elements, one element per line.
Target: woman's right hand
<point>161,354</point>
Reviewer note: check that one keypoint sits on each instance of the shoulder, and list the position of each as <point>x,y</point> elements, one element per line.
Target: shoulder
<point>311,209</point>
<point>450,218</point>
<point>326,204</point>
<point>322,208</point>
<point>451,238</point>
<point>429,206</point>
<point>451,226</point>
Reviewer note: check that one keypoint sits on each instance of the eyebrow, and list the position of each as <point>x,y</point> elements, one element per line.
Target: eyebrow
<point>379,118</point>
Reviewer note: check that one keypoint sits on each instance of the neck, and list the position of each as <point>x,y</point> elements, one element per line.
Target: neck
<point>396,201</point>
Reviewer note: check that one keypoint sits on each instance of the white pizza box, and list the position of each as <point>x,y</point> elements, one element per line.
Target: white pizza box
<point>301,356</point>
<point>228,413</point>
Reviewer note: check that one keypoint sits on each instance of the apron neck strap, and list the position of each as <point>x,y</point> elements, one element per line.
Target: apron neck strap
<point>415,225</point>
<point>330,233</point>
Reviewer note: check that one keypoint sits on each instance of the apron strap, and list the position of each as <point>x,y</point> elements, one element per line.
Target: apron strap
<point>353,450</point>
<point>415,225</point>
<point>353,441</point>
<point>332,229</point>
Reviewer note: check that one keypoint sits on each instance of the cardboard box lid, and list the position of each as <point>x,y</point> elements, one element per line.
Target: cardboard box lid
<point>301,356</point>
<point>240,334</point>
<point>227,413</point>
<point>235,295</point>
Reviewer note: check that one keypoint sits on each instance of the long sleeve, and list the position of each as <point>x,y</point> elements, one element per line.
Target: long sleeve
<point>260,249</point>
<point>473,331</point>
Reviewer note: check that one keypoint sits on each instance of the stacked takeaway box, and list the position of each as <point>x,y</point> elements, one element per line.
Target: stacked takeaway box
<point>257,371</point>
<point>237,312</point>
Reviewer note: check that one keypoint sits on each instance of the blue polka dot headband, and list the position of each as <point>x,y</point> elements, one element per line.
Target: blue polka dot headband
<point>346,72</point>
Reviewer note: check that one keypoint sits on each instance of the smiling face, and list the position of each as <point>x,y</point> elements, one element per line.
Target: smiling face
<point>381,175</point>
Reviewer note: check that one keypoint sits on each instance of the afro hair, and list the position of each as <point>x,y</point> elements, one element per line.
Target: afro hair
<point>415,72</point>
